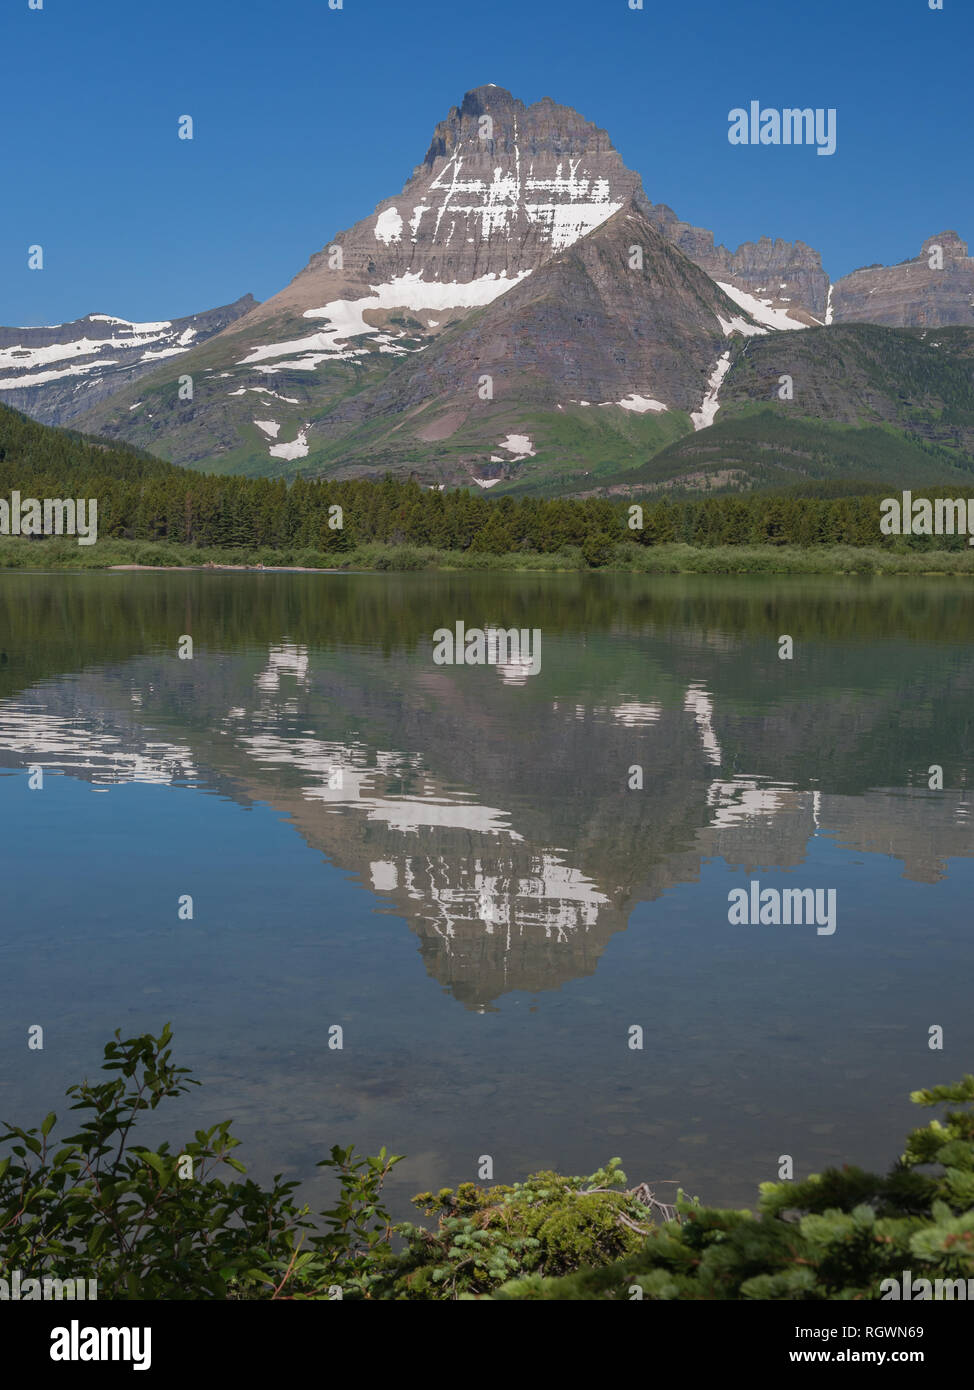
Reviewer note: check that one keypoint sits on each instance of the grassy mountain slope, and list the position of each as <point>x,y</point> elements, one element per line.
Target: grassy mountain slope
<point>918,380</point>
<point>768,448</point>
<point>215,431</point>
<point>879,405</point>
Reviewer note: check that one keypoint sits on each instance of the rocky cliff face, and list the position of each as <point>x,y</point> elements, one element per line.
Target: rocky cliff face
<point>502,186</point>
<point>934,289</point>
<point>57,373</point>
<point>787,275</point>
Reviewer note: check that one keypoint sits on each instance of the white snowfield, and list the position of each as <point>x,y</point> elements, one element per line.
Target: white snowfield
<point>297,449</point>
<point>706,414</point>
<point>270,427</point>
<point>36,366</point>
<point>153,355</point>
<point>264,391</point>
<point>345,317</point>
<point>416,218</point>
<point>739,325</point>
<point>634,402</point>
<point>564,206</point>
<point>761,310</point>
<point>158,327</point>
<point>640,404</point>
<point>388,226</point>
<point>518,445</point>
<point>15,383</point>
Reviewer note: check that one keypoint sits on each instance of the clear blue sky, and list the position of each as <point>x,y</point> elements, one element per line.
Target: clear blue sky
<point>307,117</point>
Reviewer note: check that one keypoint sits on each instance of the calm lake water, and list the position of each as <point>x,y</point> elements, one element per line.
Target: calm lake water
<point>450,864</point>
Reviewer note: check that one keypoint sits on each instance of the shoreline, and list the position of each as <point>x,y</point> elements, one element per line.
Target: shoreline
<point>211,565</point>
<point>121,556</point>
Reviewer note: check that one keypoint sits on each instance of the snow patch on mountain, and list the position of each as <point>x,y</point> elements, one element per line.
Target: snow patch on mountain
<point>297,449</point>
<point>345,316</point>
<point>33,364</point>
<point>388,226</point>
<point>158,326</point>
<point>640,404</point>
<point>27,358</point>
<point>708,410</point>
<point>18,383</point>
<point>416,218</point>
<point>739,325</point>
<point>568,222</point>
<point>264,391</point>
<point>761,310</point>
<point>155,354</point>
<point>519,446</point>
<point>576,204</point>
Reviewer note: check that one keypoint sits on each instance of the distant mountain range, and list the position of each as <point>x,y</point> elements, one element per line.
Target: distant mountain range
<point>62,371</point>
<point>522,317</point>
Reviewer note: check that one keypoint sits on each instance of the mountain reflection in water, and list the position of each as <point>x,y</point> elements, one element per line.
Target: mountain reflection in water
<point>495,812</point>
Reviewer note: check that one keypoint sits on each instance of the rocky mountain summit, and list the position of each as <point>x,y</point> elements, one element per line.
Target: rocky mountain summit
<point>502,187</point>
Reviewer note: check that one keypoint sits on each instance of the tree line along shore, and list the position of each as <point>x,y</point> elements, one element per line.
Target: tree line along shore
<point>154,513</point>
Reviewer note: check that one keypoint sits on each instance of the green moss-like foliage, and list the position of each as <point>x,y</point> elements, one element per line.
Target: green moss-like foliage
<point>836,1236</point>
<point>549,1224</point>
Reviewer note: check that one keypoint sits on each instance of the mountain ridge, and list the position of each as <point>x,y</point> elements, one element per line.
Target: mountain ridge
<point>370,356</point>
<point>57,372</point>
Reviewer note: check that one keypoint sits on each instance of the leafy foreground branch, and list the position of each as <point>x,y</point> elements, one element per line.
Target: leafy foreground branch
<point>162,1224</point>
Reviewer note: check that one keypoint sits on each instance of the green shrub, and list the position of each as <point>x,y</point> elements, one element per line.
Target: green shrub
<point>160,1224</point>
